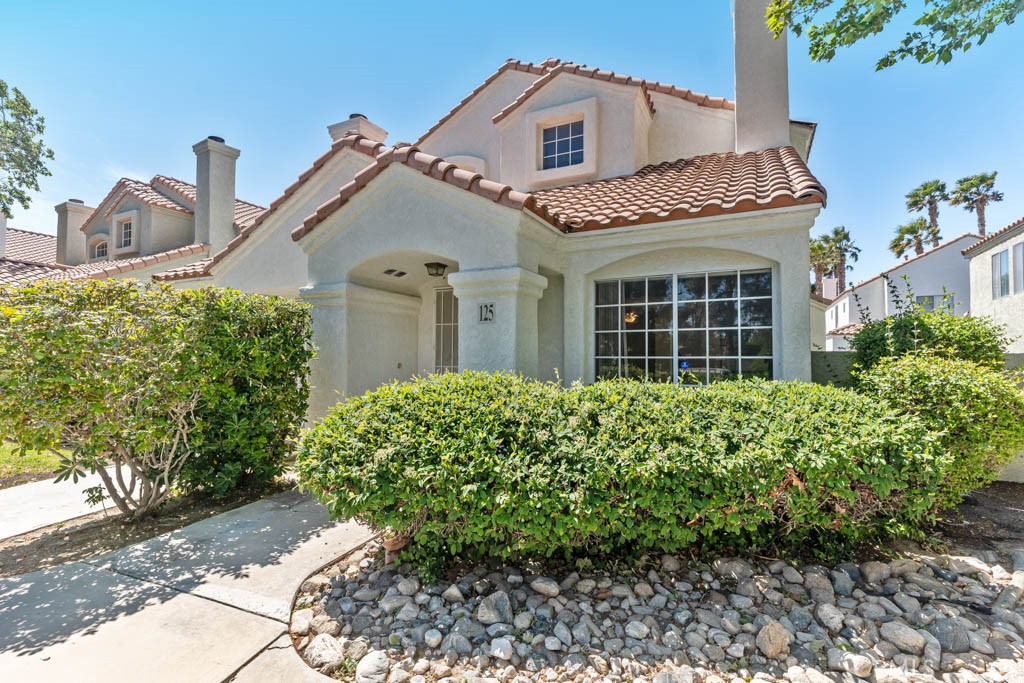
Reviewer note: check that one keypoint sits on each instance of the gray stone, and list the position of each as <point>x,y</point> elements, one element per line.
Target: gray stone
<point>365,594</point>
<point>643,590</point>
<point>301,621</point>
<point>890,675</point>
<point>408,586</point>
<point>585,586</point>
<point>563,633</point>
<point>432,638</point>
<point>733,568</point>
<point>638,630</point>
<point>324,654</point>
<point>552,643</point>
<point>523,621</point>
<point>496,608</point>
<point>453,594</point>
<point>952,635</point>
<point>670,563</point>
<point>501,648</point>
<point>469,627</point>
<point>773,640</point>
<point>373,668</point>
<point>547,587</point>
<point>906,638</point>
<point>791,575</point>
<point>875,572</point>
<point>323,623</point>
<point>858,665</point>
<point>830,616</point>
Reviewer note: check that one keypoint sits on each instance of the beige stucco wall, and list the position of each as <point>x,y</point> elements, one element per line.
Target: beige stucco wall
<point>1007,310</point>
<point>818,330</point>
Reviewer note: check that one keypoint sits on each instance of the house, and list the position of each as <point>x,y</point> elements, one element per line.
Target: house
<point>561,221</point>
<point>140,228</point>
<point>997,280</point>
<point>935,278</point>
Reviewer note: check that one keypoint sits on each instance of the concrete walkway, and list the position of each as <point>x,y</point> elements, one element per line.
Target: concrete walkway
<point>203,603</point>
<point>27,507</point>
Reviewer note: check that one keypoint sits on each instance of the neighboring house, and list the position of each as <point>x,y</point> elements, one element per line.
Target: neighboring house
<point>143,228</point>
<point>26,256</point>
<point>561,221</point>
<point>997,280</point>
<point>938,277</point>
<point>819,307</point>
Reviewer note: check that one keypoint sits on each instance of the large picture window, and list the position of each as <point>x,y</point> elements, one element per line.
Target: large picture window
<point>688,328</point>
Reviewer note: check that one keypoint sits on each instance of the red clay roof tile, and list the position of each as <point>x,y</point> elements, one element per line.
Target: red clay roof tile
<point>1019,223</point>
<point>30,247</point>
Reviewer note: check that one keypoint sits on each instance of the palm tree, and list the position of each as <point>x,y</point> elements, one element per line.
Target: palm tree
<point>974,193</point>
<point>927,195</point>
<point>843,249</point>
<point>910,236</point>
<point>821,262</point>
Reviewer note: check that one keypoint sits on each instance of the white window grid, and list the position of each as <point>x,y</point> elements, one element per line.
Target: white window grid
<point>562,145</point>
<point>1001,274</point>
<point>100,250</point>
<point>446,330</point>
<point>124,230</point>
<point>734,344</point>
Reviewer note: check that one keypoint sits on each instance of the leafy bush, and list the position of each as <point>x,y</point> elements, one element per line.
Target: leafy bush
<point>202,388</point>
<point>518,467</point>
<point>913,329</point>
<point>977,412</point>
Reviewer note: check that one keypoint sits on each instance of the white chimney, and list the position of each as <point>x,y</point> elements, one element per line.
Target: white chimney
<point>762,80</point>
<point>71,242</point>
<point>215,193</point>
<point>357,123</point>
<point>3,236</point>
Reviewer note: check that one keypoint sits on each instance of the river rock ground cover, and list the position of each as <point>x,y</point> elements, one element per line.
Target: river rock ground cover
<point>917,618</point>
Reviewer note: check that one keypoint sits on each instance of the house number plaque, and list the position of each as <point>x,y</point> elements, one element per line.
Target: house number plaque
<point>486,313</point>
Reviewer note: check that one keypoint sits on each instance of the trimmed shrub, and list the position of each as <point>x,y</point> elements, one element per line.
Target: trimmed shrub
<point>943,334</point>
<point>202,389</point>
<point>512,467</point>
<point>977,413</point>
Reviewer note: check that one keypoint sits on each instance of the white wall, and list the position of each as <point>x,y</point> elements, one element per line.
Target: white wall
<point>1007,310</point>
<point>818,325</point>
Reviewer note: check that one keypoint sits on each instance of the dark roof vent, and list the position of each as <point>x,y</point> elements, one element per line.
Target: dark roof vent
<point>216,138</point>
<point>357,116</point>
<point>75,201</point>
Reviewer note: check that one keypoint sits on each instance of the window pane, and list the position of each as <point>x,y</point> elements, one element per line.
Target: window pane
<point>756,312</point>
<point>756,283</point>
<point>608,344</point>
<point>549,134</point>
<point>576,128</point>
<point>757,367</point>
<point>562,160</point>
<point>607,293</point>
<point>659,289</point>
<point>756,343</point>
<point>607,368</point>
<point>691,288</point>
<point>1004,272</point>
<point>659,344</point>
<point>692,343</point>
<point>634,369</point>
<point>576,158</point>
<point>608,318</point>
<point>660,369</point>
<point>722,286</point>
<point>634,317</point>
<point>1018,268</point>
<point>721,369</point>
<point>634,344</point>
<point>693,371</point>
<point>563,146</point>
<point>692,315</point>
<point>722,314</point>
<point>549,162</point>
<point>549,148</point>
<point>634,291</point>
<point>724,343</point>
<point>659,317</point>
<point>576,144</point>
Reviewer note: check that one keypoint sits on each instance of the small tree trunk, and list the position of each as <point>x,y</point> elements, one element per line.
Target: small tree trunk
<point>980,208</point>
<point>841,273</point>
<point>933,221</point>
<point>819,275</point>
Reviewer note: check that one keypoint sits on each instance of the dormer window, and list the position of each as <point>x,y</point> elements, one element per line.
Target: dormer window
<point>99,250</point>
<point>124,234</point>
<point>562,145</point>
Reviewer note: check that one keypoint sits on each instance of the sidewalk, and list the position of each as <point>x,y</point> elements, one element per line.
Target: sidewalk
<point>198,604</point>
<point>27,507</point>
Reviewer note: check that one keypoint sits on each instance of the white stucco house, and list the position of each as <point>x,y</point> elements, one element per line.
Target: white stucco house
<point>938,277</point>
<point>997,280</point>
<point>560,221</point>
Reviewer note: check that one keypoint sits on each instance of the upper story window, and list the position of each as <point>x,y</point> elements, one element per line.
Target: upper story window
<point>1018,268</point>
<point>124,234</point>
<point>562,145</point>
<point>100,250</point>
<point>1001,274</point>
<point>934,302</point>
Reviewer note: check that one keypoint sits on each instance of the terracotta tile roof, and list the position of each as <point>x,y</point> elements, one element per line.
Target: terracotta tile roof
<point>196,269</point>
<point>846,330</point>
<point>576,70</point>
<point>545,68</point>
<point>410,156</point>
<point>707,185</point>
<point>21,273</point>
<point>1004,232</point>
<point>820,299</point>
<point>105,269</point>
<point>30,247</point>
<point>176,195</point>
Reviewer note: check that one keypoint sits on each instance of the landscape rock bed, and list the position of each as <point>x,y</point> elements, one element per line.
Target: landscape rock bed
<point>904,621</point>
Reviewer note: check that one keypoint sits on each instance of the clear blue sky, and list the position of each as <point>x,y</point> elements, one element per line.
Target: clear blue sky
<point>127,88</point>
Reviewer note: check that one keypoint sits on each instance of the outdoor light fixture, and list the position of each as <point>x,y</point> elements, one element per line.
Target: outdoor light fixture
<point>436,269</point>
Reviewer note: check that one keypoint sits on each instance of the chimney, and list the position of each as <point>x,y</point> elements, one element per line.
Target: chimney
<point>762,80</point>
<point>357,123</point>
<point>215,193</point>
<point>3,236</point>
<point>71,243</point>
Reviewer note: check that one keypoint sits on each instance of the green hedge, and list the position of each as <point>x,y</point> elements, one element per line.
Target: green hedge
<point>977,412</point>
<point>197,389</point>
<point>510,466</point>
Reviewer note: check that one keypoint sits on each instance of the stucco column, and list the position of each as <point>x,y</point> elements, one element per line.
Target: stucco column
<point>575,326</point>
<point>795,316</point>
<point>498,318</point>
<point>329,370</point>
